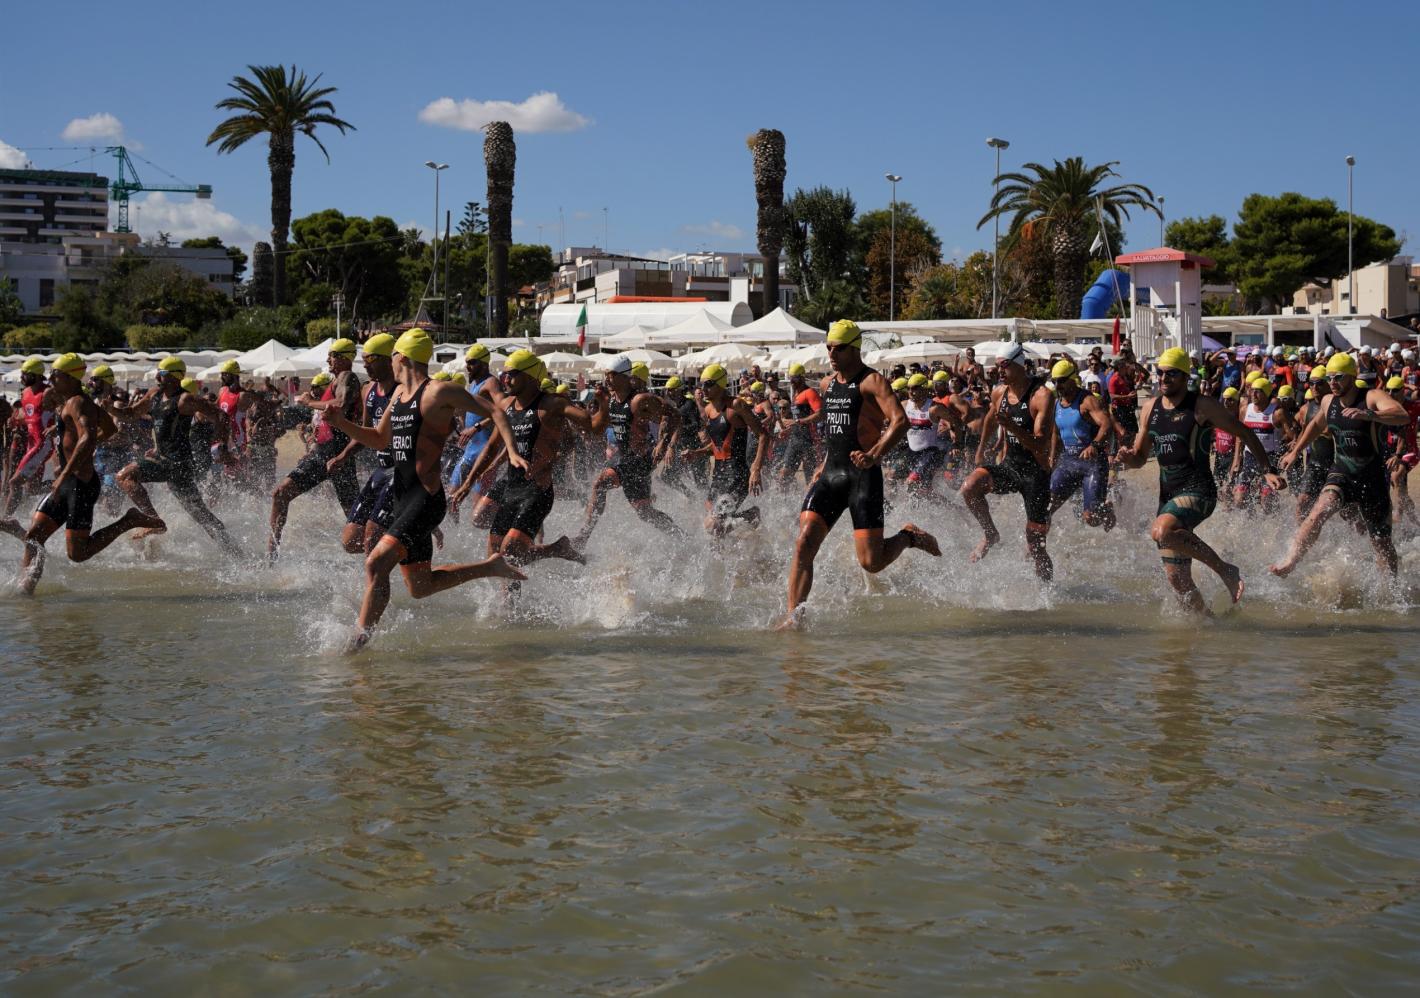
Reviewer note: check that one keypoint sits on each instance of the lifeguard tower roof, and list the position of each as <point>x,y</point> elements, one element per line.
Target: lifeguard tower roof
<point>1163,254</point>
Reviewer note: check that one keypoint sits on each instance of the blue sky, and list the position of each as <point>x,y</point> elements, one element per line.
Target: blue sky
<point>1203,102</point>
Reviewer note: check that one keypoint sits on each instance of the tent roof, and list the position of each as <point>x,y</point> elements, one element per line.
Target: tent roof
<point>702,328</point>
<point>268,353</point>
<point>1163,254</point>
<point>777,326</point>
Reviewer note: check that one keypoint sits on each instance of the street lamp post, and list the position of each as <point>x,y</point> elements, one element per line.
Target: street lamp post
<point>892,178</point>
<point>437,168</point>
<point>1161,219</point>
<point>339,302</point>
<point>1350,229</point>
<point>998,145</point>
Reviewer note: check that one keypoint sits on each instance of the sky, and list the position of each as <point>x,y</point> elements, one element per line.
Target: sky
<point>631,121</point>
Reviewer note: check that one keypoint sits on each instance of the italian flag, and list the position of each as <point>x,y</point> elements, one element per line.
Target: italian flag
<point>582,331</point>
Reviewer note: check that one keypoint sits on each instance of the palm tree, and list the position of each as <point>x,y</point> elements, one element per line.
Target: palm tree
<point>500,158</point>
<point>1058,203</point>
<point>766,146</point>
<point>277,104</point>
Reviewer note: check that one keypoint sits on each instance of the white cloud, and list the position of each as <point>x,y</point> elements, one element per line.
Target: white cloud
<point>542,112</point>
<point>423,229</point>
<point>717,229</point>
<point>189,218</point>
<point>12,158</point>
<point>518,223</point>
<point>96,126</point>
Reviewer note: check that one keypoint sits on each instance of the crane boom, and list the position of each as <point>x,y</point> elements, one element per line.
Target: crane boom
<point>123,186</point>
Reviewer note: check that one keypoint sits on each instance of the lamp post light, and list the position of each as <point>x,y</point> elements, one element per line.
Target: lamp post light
<point>892,178</point>
<point>998,145</point>
<point>1161,219</point>
<point>1350,230</point>
<point>437,168</point>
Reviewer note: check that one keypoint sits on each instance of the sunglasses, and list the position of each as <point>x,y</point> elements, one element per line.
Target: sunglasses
<point>835,347</point>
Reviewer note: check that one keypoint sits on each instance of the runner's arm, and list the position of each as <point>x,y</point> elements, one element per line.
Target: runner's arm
<point>877,386</point>
<point>374,437</point>
<point>1134,455</point>
<point>83,446</point>
<point>1387,411</point>
<point>1216,416</point>
<point>988,427</point>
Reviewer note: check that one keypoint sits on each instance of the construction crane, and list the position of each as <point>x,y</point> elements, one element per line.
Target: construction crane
<point>123,185</point>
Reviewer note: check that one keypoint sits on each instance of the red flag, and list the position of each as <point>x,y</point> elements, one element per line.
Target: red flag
<point>1114,337</point>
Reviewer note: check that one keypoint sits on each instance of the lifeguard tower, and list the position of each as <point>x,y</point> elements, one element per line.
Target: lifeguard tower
<point>1166,307</point>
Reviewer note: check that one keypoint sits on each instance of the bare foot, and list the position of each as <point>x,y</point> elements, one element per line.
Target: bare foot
<point>30,579</point>
<point>791,621</point>
<point>922,540</point>
<point>562,548</point>
<point>150,531</point>
<point>139,520</point>
<point>987,543</point>
<point>499,568</point>
<point>1232,579</point>
<point>439,538</point>
<point>357,643</point>
<point>1281,569</point>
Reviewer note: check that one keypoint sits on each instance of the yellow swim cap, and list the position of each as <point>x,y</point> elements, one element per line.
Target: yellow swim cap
<point>845,332</point>
<point>941,376</point>
<point>1260,385</point>
<point>69,363</point>
<point>717,374</point>
<point>229,367</point>
<point>457,377</point>
<point>322,379</point>
<point>1341,363</point>
<point>757,386</point>
<point>1230,393</point>
<point>476,352</point>
<point>172,365</point>
<point>673,384</point>
<point>343,347</point>
<point>442,376</point>
<point>1318,373</point>
<point>547,384</point>
<point>1395,381</point>
<point>415,345</point>
<point>1174,359</point>
<point>899,384</point>
<point>1309,395</point>
<point>379,345</point>
<point>189,385</point>
<point>527,362</point>
<point>561,389</point>
<point>1285,392</point>
<point>103,372</point>
<point>1063,370</point>
<point>796,370</point>
<point>917,381</point>
<point>641,371</point>
<point>32,365</point>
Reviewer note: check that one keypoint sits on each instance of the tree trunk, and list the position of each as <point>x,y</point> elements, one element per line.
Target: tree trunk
<point>767,149</point>
<point>1067,245</point>
<point>500,156</point>
<point>282,162</point>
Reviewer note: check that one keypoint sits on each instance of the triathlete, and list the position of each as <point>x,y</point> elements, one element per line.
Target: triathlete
<point>861,421</point>
<point>1357,483</point>
<point>1022,406</point>
<point>1083,426</point>
<point>927,449</point>
<point>419,418</point>
<point>728,421</point>
<point>1175,428</point>
<point>800,453</point>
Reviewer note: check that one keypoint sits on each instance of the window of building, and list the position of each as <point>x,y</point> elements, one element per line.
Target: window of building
<point>46,292</point>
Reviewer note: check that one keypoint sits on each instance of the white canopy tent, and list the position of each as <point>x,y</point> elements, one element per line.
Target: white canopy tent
<point>917,353</point>
<point>658,362</point>
<point>288,367</point>
<point>268,353</point>
<point>777,326</point>
<point>627,339</point>
<point>702,329</point>
<point>731,355</point>
<point>560,362</point>
<point>814,358</point>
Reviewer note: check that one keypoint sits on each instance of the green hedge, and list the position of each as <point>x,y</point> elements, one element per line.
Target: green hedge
<point>143,337</point>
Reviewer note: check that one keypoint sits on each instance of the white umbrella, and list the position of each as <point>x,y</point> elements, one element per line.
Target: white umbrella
<point>728,354</point>
<point>916,353</point>
<point>814,358</point>
<point>288,367</point>
<point>568,363</point>
<point>632,336</point>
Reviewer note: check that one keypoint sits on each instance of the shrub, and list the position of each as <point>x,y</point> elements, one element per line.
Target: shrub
<point>251,327</point>
<point>32,337</point>
<point>318,330</point>
<point>144,337</point>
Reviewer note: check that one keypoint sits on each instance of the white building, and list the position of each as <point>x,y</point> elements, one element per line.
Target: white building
<point>588,275</point>
<point>1384,289</point>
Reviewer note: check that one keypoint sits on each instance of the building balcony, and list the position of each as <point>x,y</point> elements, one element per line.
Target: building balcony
<point>11,188</point>
<point>98,203</point>
<point>23,216</point>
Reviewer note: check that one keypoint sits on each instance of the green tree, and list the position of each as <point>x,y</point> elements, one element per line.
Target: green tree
<point>1280,243</point>
<point>142,337</point>
<point>83,325</point>
<point>1206,237</point>
<point>819,242</point>
<point>12,310</point>
<point>870,224</point>
<point>766,148</point>
<point>835,299</point>
<point>277,104</point>
<point>356,257</point>
<point>888,265</point>
<point>319,330</point>
<point>1060,202</point>
<point>251,327</point>
<point>500,158</point>
<point>234,253</point>
<point>36,336</point>
<point>473,222</point>
<point>529,263</point>
<point>262,273</point>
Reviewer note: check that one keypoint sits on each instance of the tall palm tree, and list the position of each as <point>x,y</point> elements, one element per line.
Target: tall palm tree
<point>500,158</point>
<point>766,147</point>
<point>1059,205</point>
<point>278,104</point>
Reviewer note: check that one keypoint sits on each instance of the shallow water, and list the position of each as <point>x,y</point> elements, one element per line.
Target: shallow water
<point>952,780</point>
